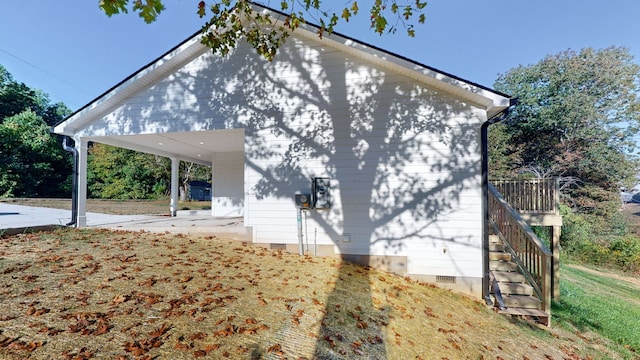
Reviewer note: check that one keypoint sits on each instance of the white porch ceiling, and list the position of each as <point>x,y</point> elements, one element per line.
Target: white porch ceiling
<point>196,146</point>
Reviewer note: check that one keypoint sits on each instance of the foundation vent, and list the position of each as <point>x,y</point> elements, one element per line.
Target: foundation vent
<point>445,279</point>
<point>278,246</point>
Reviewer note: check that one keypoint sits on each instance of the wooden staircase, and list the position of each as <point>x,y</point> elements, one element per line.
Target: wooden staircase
<point>514,293</point>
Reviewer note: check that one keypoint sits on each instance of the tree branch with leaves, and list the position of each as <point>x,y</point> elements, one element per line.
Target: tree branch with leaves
<point>230,22</point>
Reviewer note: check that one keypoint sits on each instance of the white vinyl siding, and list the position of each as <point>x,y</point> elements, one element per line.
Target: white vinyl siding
<point>228,188</point>
<point>403,159</point>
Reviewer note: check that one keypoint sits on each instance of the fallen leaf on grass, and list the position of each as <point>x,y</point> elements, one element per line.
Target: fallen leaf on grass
<point>36,312</point>
<point>199,353</point>
<point>24,346</point>
<point>276,348</point>
<point>161,330</point>
<point>143,346</point>
<point>7,341</point>
<point>83,354</point>
<point>29,278</point>
<point>50,331</point>
<point>120,298</point>
<point>183,346</point>
<point>102,329</point>
<point>148,282</point>
<point>454,344</point>
<point>198,336</point>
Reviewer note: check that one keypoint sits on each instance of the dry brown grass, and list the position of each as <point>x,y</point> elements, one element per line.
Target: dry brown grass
<point>114,207</point>
<point>80,294</point>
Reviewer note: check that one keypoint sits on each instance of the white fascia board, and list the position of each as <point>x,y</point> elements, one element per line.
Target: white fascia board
<point>141,80</point>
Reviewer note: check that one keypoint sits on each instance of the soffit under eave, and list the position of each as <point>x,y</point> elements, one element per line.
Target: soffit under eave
<point>141,80</point>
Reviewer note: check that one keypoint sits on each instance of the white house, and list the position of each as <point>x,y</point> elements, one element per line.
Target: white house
<point>396,145</point>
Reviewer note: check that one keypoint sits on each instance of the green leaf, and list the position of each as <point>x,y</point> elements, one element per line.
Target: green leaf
<point>380,24</point>
<point>228,25</point>
<point>407,13</point>
<point>411,32</point>
<point>148,10</point>
<point>346,14</point>
<point>354,8</point>
<point>112,7</point>
<point>201,9</point>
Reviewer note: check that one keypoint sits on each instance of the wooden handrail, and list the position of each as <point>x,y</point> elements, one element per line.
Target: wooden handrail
<point>531,255</point>
<point>531,196</point>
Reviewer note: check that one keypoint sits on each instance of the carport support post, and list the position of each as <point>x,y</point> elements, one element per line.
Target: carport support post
<point>82,148</point>
<point>175,166</point>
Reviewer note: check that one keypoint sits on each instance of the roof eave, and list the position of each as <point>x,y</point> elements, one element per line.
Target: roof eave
<point>138,81</point>
<point>492,101</point>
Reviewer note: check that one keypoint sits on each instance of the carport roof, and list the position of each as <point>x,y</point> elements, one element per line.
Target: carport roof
<point>197,146</point>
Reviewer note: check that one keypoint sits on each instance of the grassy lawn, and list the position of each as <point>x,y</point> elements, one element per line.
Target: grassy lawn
<point>609,306</point>
<point>81,294</point>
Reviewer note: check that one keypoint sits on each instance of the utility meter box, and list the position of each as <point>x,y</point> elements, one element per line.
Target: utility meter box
<point>320,190</point>
<point>303,201</point>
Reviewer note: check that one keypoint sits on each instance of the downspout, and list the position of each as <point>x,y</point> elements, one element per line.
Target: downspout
<point>484,144</point>
<point>74,181</point>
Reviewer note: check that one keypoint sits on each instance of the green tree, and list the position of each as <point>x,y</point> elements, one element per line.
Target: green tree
<point>232,21</point>
<point>116,173</point>
<point>32,162</point>
<point>576,118</point>
<point>16,97</point>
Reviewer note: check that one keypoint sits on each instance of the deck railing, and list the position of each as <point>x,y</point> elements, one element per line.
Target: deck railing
<point>531,196</point>
<point>531,255</point>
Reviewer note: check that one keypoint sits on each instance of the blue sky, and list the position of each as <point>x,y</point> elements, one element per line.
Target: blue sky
<point>72,51</point>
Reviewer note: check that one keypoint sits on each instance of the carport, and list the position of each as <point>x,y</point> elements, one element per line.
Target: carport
<point>150,113</point>
<point>201,147</point>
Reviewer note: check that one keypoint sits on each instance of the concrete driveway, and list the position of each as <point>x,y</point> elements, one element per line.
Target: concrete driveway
<point>17,218</point>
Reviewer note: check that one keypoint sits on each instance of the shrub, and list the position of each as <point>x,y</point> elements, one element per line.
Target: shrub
<point>625,252</point>
<point>595,240</point>
<point>575,228</point>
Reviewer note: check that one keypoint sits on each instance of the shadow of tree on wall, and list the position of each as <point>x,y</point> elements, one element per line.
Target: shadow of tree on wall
<point>366,131</point>
<point>402,158</point>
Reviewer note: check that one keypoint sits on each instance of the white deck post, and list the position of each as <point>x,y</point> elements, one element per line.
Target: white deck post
<point>213,194</point>
<point>175,167</point>
<point>82,148</point>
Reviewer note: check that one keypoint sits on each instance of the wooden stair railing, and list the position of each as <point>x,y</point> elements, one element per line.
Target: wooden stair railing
<point>533,258</point>
<point>530,196</point>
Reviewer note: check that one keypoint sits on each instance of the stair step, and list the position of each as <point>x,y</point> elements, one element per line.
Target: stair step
<point>541,316</point>
<point>496,247</point>
<point>500,265</point>
<point>494,239</point>
<point>509,288</point>
<point>497,255</point>
<point>521,301</point>
<point>509,277</point>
